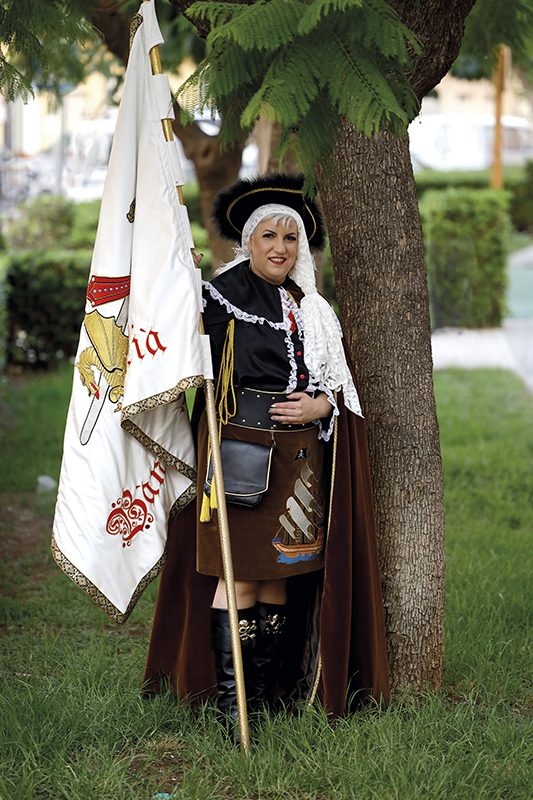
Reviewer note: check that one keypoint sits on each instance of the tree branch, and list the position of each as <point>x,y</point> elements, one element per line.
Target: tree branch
<point>440,33</point>
<point>114,26</point>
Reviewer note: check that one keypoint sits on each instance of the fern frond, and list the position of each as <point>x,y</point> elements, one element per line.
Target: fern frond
<point>318,9</point>
<point>384,30</point>
<point>30,33</point>
<point>265,25</point>
<point>357,82</point>
<point>308,64</point>
<point>216,13</point>
<point>289,86</point>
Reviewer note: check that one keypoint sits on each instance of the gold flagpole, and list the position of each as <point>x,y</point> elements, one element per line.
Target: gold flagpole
<point>222,512</point>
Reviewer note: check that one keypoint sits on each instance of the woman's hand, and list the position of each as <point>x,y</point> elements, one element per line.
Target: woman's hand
<point>301,408</point>
<point>196,258</point>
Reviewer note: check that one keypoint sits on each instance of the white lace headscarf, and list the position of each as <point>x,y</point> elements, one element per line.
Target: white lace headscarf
<point>323,352</point>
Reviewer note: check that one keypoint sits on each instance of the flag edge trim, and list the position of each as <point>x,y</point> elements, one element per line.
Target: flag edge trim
<point>92,591</point>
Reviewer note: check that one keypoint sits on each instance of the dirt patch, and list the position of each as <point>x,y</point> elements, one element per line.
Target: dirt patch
<point>25,529</point>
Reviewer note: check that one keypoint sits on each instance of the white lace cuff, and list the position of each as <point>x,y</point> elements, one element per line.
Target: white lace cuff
<point>324,434</point>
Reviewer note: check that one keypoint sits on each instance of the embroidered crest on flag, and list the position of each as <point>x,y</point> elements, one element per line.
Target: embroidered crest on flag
<point>128,461</point>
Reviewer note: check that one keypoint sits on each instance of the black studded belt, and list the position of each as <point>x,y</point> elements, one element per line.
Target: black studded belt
<point>252,410</point>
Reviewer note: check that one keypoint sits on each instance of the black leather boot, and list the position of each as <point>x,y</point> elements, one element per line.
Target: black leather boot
<point>221,646</point>
<point>266,654</point>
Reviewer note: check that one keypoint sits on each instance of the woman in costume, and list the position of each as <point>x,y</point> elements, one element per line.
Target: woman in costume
<point>296,476</point>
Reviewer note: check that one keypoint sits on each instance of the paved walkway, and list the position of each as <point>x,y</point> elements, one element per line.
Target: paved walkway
<point>509,347</point>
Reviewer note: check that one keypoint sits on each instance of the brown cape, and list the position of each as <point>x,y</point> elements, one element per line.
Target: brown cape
<point>348,600</point>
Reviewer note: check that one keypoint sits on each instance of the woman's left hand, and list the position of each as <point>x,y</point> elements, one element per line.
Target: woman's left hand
<point>196,257</point>
<point>301,408</point>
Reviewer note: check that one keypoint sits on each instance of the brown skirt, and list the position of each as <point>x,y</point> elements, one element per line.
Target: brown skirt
<point>285,534</point>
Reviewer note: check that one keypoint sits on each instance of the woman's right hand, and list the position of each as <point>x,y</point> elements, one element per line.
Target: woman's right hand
<point>196,257</point>
<point>301,408</point>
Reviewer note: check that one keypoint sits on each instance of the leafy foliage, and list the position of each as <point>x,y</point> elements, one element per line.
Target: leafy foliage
<point>43,223</point>
<point>51,222</point>
<point>466,233</point>
<point>518,183</point>
<point>489,24</point>
<point>36,38</point>
<point>45,303</point>
<point>50,44</point>
<point>522,202</point>
<point>180,35</point>
<point>305,64</point>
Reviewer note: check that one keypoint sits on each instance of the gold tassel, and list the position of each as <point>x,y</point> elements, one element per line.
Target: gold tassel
<point>224,387</point>
<point>205,511</point>
<point>225,379</point>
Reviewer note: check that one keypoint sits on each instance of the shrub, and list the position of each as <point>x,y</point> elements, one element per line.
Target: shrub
<point>191,198</point>
<point>466,233</point>
<point>3,314</point>
<point>44,222</point>
<point>46,303</point>
<point>51,222</point>
<point>83,233</point>
<point>521,208</point>
<point>430,179</point>
<point>518,181</point>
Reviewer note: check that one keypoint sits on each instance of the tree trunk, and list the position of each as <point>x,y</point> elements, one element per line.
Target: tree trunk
<point>216,169</point>
<point>372,215</point>
<point>376,241</point>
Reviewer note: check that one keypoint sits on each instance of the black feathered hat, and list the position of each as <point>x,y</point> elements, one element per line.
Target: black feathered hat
<point>234,206</point>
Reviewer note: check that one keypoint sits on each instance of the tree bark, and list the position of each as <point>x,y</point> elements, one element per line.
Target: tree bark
<point>216,169</point>
<point>376,241</point>
<point>371,211</point>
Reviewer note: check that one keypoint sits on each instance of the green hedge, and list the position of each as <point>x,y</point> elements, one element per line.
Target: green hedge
<point>518,182</point>
<point>466,233</point>
<point>3,314</point>
<point>521,207</point>
<point>429,179</point>
<point>46,303</point>
<point>51,222</point>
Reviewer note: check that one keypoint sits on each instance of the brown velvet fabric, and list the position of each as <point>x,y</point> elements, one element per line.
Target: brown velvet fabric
<point>352,628</point>
<point>352,631</point>
<point>349,604</point>
<point>179,653</point>
<point>252,530</point>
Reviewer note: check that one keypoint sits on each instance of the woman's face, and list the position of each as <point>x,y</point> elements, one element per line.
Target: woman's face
<point>274,248</point>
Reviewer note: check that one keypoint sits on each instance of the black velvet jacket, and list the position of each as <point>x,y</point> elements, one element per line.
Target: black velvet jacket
<point>260,351</point>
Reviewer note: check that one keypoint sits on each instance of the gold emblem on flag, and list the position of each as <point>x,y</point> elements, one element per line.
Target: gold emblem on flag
<point>130,216</point>
<point>108,353</point>
<point>135,24</point>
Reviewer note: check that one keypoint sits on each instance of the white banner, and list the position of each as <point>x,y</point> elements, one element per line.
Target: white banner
<point>128,460</point>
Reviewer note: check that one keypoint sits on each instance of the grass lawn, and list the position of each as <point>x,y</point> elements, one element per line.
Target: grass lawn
<point>73,725</point>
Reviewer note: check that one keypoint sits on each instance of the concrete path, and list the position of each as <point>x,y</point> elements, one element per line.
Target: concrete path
<point>509,347</point>
<point>519,294</point>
